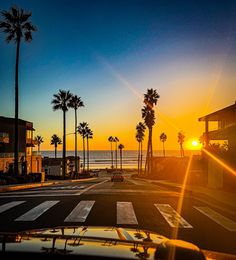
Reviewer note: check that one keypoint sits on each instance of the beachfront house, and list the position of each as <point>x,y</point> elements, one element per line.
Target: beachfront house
<point>29,161</point>
<point>220,128</point>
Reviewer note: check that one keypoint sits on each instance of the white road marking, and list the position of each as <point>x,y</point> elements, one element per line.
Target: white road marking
<point>172,217</point>
<point>37,211</point>
<point>135,182</point>
<point>80,212</point>
<point>10,205</point>
<point>218,218</point>
<point>89,188</point>
<point>125,213</point>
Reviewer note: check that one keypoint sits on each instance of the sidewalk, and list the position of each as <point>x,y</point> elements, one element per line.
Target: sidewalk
<point>14,187</point>
<point>218,198</point>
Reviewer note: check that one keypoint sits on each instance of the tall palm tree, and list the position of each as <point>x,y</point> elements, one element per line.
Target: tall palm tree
<point>55,140</point>
<point>75,103</point>
<point>17,27</point>
<point>140,129</point>
<point>121,146</point>
<point>82,129</point>
<point>163,138</point>
<point>38,140</point>
<point>111,140</point>
<point>61,101</point>
<point>89,135</point>
<point>116,140</point>
<point>181,137</point>
<point>148,114</point>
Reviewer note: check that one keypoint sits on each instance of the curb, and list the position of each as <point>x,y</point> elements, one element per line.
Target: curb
<point>35,185</point>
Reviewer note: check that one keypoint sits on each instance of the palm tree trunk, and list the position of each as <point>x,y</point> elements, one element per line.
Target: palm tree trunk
<point>116,155</point>
<point>111,157</point>
<point>55,151</point>
<point>151,152</point>
<point>87,155</point>
<point>64,146</point>
<point>76,161</point>
<point>138,158</point>
<point>83,154</point>
<point>141,157</point>
<point>16,147</point>
<point>164,155</point>
<point>121,159</point>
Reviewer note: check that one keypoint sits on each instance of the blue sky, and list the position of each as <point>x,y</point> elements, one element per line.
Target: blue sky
<point>110,52</point>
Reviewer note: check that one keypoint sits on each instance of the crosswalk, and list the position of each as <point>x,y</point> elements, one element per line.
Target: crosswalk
<point>125,213</point>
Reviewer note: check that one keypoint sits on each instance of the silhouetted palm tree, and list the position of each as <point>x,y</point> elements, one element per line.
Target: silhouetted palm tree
<point>148,114</point>
<point>75,103</point>
<point>181,137</point>
<point>111,140</point>
<point>55,140</point>
<point>89,135</point>
<point>140,128</point>
<point>116,140</point>
<point>82,129</point>
<point>60,102</point>
<point>163,138</point>
<point>17,27</point>
<point>121,146</point>
<point>38,140</point>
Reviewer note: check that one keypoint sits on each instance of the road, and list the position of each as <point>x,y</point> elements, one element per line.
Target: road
<point>132,203</point>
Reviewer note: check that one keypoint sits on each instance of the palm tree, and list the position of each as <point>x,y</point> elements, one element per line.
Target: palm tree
<point>121,146</point>
<point>116,140</point>
<point>17,27</point>
<point>89,135</point>
<point>75,103</point>
<point>148,114</point>
<point>82,129</point>
<point>55,140</point>
<point>140,128</point>
<point>38,140</point>
<point>163,138</point>
<point>181,137</point>
<point>111,140</point>
<point>61,101</point>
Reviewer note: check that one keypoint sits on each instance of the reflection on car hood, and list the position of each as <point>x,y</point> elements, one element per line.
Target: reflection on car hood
<point>111,242</point>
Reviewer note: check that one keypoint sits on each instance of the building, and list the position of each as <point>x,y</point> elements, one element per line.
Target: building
<point>224,126</point>
<point>29,161</point>
<point>53,167</point>
<point>220,128</point>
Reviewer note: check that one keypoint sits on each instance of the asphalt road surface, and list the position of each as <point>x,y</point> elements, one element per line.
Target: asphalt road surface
<point>132,203</point>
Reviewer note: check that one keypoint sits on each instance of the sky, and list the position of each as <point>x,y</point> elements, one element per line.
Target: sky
<point>109,53</point>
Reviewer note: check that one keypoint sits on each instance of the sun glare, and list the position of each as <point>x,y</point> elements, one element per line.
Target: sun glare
<point>194,144</point>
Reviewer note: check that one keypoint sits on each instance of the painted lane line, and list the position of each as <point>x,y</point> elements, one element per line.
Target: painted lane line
<point>218,218</point>
<point>125,213</point>
<point>80,212</point>
<point>37,211</point>
<point>172,217</point>
<point>89,188</point>
<point>10,205</point>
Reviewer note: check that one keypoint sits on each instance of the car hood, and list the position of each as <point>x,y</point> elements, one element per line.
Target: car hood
<point>104,242</point>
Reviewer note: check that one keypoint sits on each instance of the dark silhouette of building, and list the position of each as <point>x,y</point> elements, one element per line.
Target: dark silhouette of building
<point>29,161</point>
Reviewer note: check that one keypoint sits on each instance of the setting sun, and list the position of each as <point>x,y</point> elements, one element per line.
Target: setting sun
<point>193,144</point>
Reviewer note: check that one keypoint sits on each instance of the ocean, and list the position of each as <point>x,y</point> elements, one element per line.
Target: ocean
<point>101,159</point>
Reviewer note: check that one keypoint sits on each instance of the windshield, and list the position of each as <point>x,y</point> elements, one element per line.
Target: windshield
<point>119,115</point>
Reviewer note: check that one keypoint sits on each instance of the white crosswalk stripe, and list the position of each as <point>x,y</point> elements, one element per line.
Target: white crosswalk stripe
<point>125,213</point>
<point>80,212</point>
<point>172,217</point>
<point>37,211</point>
<point>218,218</point>
<point>10,205</point>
